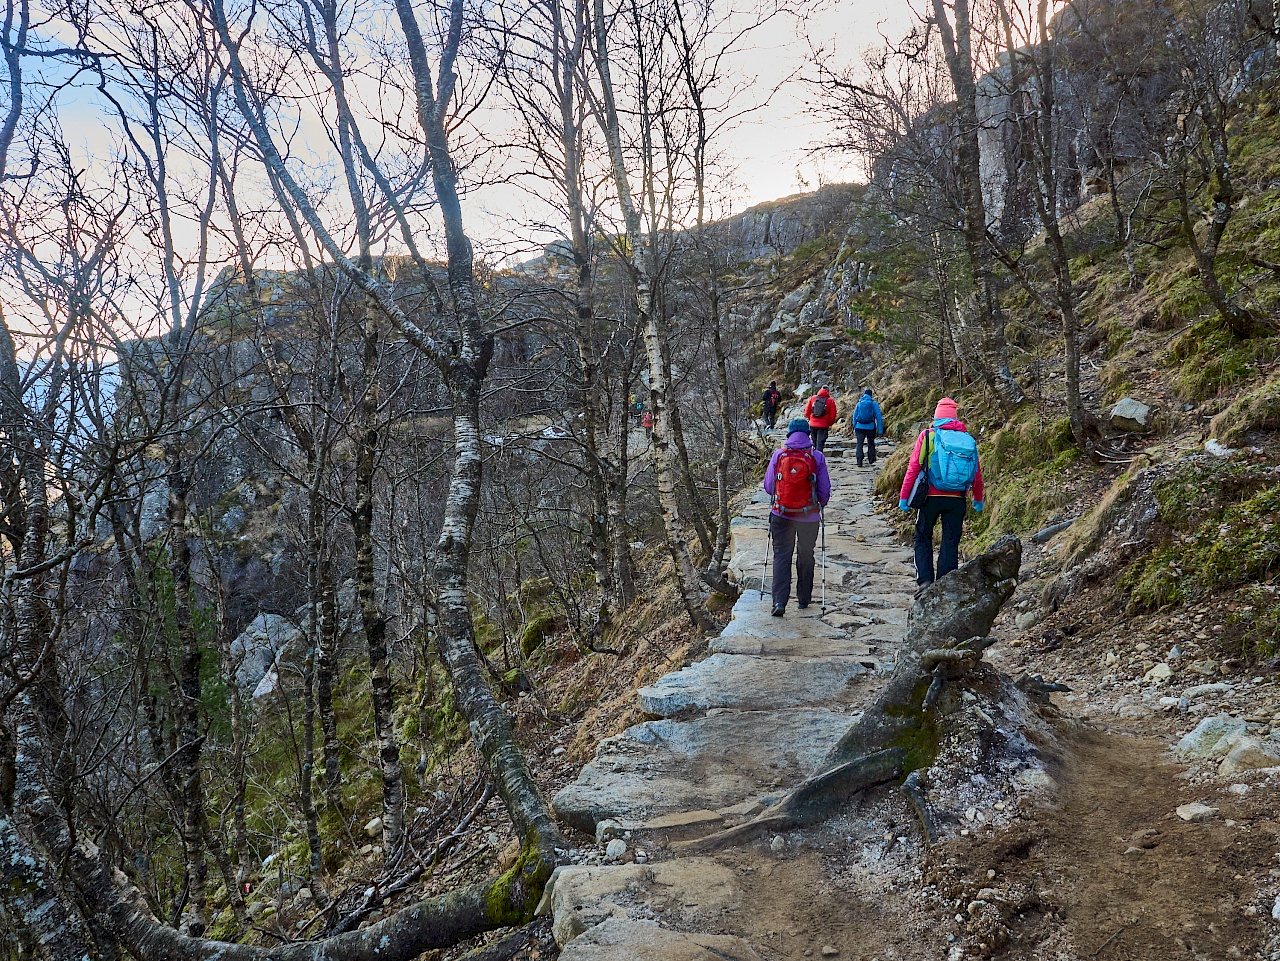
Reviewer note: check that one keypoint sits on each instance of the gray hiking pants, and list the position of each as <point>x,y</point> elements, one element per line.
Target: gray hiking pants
<point>798,537</point>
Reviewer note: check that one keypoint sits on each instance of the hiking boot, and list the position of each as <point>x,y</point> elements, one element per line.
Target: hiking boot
<point>779,610</point>
<point>922,588</point>
<point>803,605</point>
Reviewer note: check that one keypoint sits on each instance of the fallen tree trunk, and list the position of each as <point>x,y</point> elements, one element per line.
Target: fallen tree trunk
<point>896,734</point>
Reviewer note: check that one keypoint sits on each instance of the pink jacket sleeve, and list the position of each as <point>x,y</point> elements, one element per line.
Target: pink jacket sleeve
<point>914,468</point>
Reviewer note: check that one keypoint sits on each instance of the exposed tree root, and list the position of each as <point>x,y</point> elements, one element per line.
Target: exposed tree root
<point>506,948</point>
<point>808,802</point>
<point>431,923</point>
<point>954,657</point>
<point>914,791</point>
<point>935,691</point>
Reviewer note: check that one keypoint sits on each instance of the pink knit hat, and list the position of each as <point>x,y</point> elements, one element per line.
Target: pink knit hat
<point>946,409</point>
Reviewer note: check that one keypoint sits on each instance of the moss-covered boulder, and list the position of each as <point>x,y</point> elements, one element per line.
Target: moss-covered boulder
<point>1255,410</point>
<point>536,631</point>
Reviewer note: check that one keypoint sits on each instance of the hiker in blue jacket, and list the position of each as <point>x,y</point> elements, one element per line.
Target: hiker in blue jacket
<point>868,423</point>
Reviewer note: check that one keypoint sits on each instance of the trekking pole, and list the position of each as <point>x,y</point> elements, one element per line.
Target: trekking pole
<point>765,568</point>
<point>823,519</point>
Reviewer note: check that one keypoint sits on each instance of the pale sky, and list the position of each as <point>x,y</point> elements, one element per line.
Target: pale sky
<point>773,144</point>
<point>771,147</point>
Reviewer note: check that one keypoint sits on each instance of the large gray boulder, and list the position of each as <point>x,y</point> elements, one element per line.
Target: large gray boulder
<point>256,651</point>
<point>1250,754</point>
<point>1212,737</point>
<point>796,299</point>
<point>1131,415</point>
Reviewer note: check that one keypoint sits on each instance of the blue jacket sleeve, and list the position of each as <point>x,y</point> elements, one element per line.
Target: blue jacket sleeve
<point>879,418</point>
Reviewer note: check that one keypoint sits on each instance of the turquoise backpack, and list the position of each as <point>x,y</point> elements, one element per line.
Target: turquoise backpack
<point>864,413</point>
<point>953,463</point>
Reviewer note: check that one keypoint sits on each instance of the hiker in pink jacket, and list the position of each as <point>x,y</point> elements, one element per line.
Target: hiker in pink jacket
<point>956,458</point>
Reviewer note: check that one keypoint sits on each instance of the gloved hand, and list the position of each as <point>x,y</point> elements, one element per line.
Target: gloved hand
<point>903,505</point>
<point>977,506</point>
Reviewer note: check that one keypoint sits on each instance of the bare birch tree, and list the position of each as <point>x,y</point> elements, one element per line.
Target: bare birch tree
<point>957,33</point>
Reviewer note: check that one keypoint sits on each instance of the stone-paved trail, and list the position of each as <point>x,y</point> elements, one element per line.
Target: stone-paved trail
<point>728,736</point>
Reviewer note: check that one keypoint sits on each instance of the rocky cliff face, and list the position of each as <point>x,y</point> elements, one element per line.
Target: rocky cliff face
<point>779,227</point>
<point>1113,90</point>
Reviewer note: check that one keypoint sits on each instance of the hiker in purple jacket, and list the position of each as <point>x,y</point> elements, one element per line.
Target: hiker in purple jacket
<point>796,516</point>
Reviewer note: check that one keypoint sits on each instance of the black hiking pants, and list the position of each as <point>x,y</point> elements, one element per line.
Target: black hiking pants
<point>770,417</point>
<point>951,511</point>
<point>869,437</point>
<point>819,436</point>
<point>798,537</point>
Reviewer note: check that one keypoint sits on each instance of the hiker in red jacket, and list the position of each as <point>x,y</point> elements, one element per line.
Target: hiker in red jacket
<point>820,411</point>
<point>800,485</point>
<point>945,459</point>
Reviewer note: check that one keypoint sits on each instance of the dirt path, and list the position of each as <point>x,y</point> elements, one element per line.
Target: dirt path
<point>1118,875</point>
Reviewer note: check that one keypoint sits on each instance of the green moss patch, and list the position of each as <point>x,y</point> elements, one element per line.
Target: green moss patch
<point>1222,530</point>
<point>1256,618</point>
<point>1024,466</point>
<point>536,631</point>
<point>921,738</point>
<point>1209,359</point>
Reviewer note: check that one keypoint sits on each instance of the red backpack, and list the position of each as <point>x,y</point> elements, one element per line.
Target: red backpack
<point>795,486</point>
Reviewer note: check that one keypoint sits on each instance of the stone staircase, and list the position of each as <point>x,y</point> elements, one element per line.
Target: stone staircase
<point>728,736</point>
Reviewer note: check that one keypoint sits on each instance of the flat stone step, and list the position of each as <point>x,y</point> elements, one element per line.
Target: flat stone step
<point>626,940</point>
<point>665,766</point>
<point>881,636</point>
<point>682,820</point>
<point>752,616</point>
<point>744,683</point>
<point>847,621</point>
<point>682,893</point>
<point>792,647</point>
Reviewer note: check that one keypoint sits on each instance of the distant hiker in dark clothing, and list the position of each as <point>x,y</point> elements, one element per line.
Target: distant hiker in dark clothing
<point>821,414</point>
<point>867,425</point>
<point>800,486</point>
<point>945,464</point>
<point>769,404</point>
